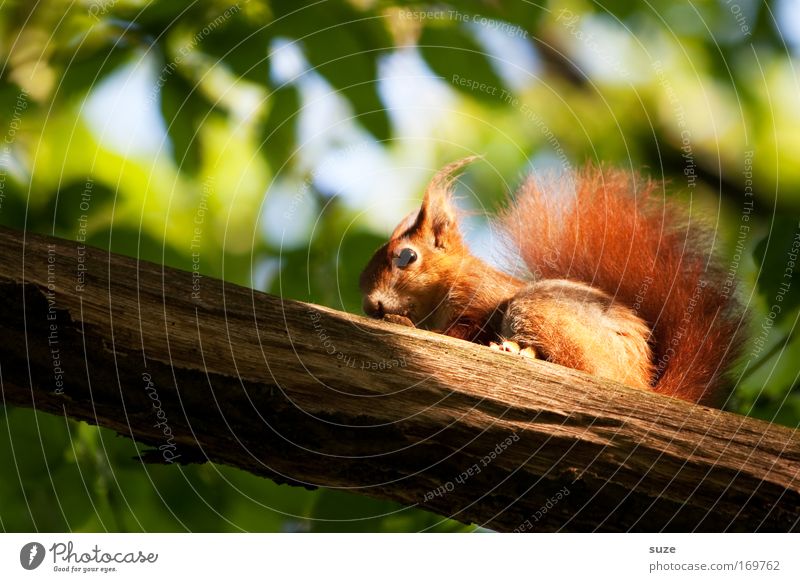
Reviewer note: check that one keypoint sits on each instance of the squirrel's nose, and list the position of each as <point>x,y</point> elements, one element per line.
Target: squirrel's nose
<point>373,307</point>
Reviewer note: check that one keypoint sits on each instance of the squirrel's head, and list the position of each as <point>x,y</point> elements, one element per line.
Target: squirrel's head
<point>412,274</point>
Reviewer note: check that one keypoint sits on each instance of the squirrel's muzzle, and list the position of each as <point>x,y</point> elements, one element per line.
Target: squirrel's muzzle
<point>372,307</point>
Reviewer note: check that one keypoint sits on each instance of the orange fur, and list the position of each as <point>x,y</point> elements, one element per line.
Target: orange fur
<point>624,284</point>
<point>618,233</point>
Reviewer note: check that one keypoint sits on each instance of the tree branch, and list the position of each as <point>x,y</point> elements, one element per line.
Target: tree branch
<point>204,370</point>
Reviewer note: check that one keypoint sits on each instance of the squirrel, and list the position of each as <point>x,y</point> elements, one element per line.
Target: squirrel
<point>623,284</point>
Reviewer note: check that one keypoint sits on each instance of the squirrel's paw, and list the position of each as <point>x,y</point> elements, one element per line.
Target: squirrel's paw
<point>513,348</point>
<point>398,319</point>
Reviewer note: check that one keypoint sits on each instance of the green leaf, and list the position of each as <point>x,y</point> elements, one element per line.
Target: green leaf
<point>340,511</point>
<point>337,511</point>
<point>242,46</point>
<point>525,15</point>
<point>87,70</point>
<point>132,242</point>
<point>184,108</point>
<point>779,258</point>
<point>65,208</point>
<point>343,45</point>
<point>157,18</point>
<point>280,129</point>
<point>453,54</point>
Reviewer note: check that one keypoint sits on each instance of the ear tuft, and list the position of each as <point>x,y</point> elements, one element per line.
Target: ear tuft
<point>437,213</point>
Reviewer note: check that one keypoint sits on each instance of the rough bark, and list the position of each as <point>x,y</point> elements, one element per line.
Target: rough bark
<point>307,395</point>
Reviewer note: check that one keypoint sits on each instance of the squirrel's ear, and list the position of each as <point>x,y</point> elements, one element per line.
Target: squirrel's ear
<point>405,225</point>
<point>437,214</point>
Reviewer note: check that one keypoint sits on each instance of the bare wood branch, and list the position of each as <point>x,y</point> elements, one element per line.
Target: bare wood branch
<point>206,370</point>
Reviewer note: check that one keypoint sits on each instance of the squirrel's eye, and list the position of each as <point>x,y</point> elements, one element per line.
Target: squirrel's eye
<point>405,258</point>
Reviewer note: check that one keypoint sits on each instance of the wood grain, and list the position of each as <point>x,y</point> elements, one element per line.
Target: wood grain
<point>204,370</point>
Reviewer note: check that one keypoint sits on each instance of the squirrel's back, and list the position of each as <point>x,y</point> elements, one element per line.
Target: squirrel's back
<point>619,233</point>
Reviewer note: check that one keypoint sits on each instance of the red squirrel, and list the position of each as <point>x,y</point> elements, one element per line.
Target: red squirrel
<point>623,284</point>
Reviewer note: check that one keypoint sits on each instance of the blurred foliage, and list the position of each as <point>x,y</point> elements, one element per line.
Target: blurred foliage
<point>299,132</point>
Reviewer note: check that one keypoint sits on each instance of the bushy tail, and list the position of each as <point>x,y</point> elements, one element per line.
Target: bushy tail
<point>612,230</point>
